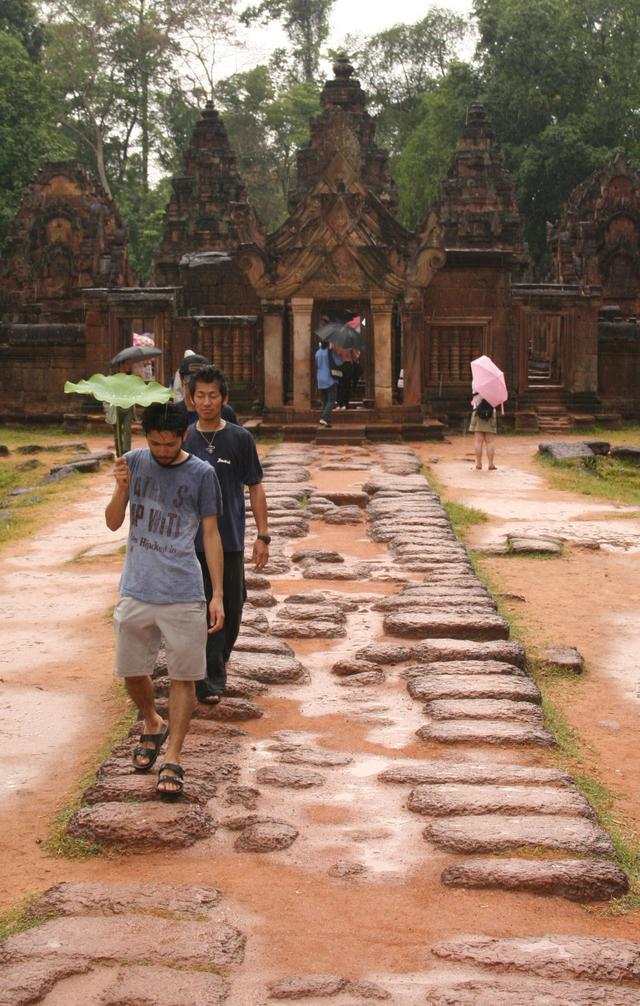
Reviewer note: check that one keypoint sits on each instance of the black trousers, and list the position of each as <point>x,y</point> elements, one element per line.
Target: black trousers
<point>220,644</point>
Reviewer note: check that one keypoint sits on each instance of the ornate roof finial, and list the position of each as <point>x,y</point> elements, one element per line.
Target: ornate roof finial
<point>342,67</point>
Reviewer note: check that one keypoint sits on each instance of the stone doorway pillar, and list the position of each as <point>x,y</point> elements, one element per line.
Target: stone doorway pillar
<point>301,309</point>
<point>412,355</point>
<point>272,312</point>
<point>381,310</point>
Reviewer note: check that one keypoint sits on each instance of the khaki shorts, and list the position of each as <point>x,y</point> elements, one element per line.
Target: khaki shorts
<point>140,628</point>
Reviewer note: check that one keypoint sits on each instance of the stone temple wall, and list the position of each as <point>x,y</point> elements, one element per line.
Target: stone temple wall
<point>35,361</point>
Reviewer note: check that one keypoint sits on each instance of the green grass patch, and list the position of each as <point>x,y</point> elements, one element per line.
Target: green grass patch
<point>21,917</point>
<point>61,845</point>
<point>464,517</point>
<point>601,478</point>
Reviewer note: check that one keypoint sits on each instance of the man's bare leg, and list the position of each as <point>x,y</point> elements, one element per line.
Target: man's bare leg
<point>477,441</point>
<point>140,690</point>
<point>182,701</point>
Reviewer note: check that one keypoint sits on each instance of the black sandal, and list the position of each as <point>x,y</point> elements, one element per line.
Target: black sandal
<point>141,751</point>
<point>170,773</point>
<point>206,697</point>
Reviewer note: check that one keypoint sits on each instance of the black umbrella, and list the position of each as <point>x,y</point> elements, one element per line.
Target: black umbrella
<point>135,354</point>
<point>340,335</point>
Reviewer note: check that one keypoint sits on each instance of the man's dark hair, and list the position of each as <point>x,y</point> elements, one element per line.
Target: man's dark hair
<point>168,418</point>
<point>208,375</point>
<point>190,364</point>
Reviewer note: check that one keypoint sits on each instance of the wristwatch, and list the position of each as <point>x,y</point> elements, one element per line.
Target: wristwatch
<point>266,538</point>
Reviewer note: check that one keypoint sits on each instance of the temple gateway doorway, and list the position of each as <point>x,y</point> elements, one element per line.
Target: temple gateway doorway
<point>343,311</point>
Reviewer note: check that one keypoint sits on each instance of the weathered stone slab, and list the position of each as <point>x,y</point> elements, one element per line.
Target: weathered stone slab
<point>625,452</point>
<point>409,485</point>
<point>474,772</point>
<point>484,709</point>
<point>364,679</point>
<point>439,667</point>
<point>421,624</point>
<point>523,545</point>
<point>289,776</point>
<point>575,879</point>
<point>458,798</point>
<point>321,628</point>
<point>498,991</point>
<point>595,958</point>
<point>328,571</point>
<point>30,980</point>
<point>134,939</point>
<point>271,668</point>
<point>267,836</point>
<point>93,898</point>
<point>78,465</point>
<point>317,555</point>
<point>229,709</point>
<point>243,688</point>
<point>463,603</point>
<point>261,599</point>
<point>306,986</point>
<point>430,590</point>
<point>319,757</point>
<point>562,450</point>
<point>333,598</point>
<point>139,827</point>
<point>385,653</point>
<point>307,612</point>
<point>474,686</point>
<point>501,833</point>
<point>507,650</point>
<point>484,732</point>
<point>344,515</point>
<point>344,668</point>
<point>146,985</point>
<point>277,566</point>
<point>261,644</point>
<point>568,658</point>
<point>255,618</point>
<point>139,786</point>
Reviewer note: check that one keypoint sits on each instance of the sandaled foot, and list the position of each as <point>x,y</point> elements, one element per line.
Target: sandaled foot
<point>492,468</point>
<point>170,781</point>
<point>478,468</point>
<point>148,748</point>
<point>206,697</point>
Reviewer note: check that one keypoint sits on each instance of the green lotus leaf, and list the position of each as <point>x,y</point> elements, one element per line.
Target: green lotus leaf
<point>122,390</point>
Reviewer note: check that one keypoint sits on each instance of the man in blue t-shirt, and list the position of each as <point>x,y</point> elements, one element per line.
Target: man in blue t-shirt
<point>170,495</point>
<point>231,451</point>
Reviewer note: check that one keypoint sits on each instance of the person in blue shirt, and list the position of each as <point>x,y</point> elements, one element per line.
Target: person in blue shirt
<point>326,382</point>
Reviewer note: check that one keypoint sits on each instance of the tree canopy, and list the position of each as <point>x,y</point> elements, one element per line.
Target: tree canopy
<point>119,84</point>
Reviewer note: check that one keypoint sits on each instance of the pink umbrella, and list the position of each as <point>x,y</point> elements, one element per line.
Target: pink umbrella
<point>488,381</point>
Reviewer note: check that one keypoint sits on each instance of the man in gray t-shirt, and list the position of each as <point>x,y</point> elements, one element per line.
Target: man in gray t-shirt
<point>169,494</point>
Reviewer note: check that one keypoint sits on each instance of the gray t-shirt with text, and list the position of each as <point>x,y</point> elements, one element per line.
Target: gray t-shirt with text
<point>166,505</point>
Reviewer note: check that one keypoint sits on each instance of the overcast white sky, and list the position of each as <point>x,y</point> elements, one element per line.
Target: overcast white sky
<point>348,17</point>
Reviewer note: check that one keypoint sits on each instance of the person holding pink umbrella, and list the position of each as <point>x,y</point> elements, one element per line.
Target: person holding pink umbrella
<point>489,390</point>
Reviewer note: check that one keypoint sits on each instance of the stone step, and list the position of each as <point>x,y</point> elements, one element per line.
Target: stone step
<point>423,624</point>
<point>494,732</point>
<point>525,991</point>
<point>575,879</point>
<point>594,958</point>
<point>445,800</point>
<point>473,773</point>
<point>474,686</point>
<point>502,833</point>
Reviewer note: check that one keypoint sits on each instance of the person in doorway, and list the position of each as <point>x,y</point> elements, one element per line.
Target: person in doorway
<point>231,451</point>
<point>327,377</point>
<point>484,427</point>
<point>170,494</point>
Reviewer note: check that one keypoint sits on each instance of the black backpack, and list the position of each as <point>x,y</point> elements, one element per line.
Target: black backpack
<point>484,410</point>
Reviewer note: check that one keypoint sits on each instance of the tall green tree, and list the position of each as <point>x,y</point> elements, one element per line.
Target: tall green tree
<point>267,120</point>
<point>306,23</point>
<point>401,64</point>
<point>25,133</point>
<point>20,18</point>
<point>563,91</point>
<point>423,161</point>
